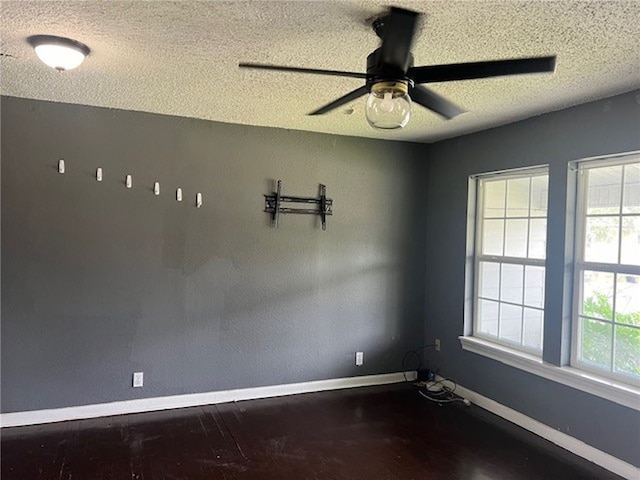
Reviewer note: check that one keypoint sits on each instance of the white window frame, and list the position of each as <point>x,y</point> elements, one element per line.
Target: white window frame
<point>478,257</point>
<point>621,393</point>
<point>581,265</point>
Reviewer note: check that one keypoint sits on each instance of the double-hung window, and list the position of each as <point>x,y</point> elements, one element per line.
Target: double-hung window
<point>606,319</point>
<point>510,249</point>
<point>596,312</point>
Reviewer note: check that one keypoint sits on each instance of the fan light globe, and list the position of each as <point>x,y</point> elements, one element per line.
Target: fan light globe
<point>388,105</point>
<point>58,52</point>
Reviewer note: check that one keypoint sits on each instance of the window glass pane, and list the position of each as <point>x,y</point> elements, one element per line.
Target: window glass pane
<point>518,197</point>
<point>631,199</point>
<point>608,320</point>
<point>532,334</point>
<point>603,195</point>
<point>534,286</point>
<point>538,238</point>
<point>630,254</point>
<point>510,322</point>
<point>511,285</point>
<point>628,300</point>
<point>512,227</point>
<point>492,237</point>
<point>539,195</point>
<point>489,280</point>
<point>601,242</point>
<point>516,238</point>
<point>627,357</point>
<point>488,317</point>
<point>595,343</point>
<point>597,294</point>
<point>494,198</point>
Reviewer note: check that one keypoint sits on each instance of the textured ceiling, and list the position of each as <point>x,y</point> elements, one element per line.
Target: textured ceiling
<point>180,58</point>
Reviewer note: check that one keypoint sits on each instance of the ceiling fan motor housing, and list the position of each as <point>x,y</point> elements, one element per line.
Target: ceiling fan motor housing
<point>378,72</point>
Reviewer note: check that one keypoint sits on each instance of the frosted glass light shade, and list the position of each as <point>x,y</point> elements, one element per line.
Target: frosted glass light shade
<point>58,52</point>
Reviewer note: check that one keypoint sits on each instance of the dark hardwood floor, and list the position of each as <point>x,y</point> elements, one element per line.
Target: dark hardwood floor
<point>372,433</point>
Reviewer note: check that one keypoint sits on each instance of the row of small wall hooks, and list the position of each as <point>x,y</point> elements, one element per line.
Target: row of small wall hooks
<point>273,204</point>
<point>128,182</point>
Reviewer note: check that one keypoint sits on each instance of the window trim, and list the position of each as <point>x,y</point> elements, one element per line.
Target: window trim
<point>477,256</point>
<point>580,265</point>
<point>562,373</point>
<point>604,387</point>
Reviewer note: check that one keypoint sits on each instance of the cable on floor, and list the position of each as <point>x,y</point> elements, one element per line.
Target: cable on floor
<point>439,391</point>
<point>415,352</point>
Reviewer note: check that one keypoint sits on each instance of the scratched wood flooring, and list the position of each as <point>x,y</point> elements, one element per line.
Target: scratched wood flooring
<point>373,433</point>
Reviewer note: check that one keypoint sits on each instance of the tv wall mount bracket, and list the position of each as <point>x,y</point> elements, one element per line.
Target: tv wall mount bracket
<point>273,204</point>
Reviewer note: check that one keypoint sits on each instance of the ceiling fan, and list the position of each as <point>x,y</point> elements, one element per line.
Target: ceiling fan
<point>392,81</point>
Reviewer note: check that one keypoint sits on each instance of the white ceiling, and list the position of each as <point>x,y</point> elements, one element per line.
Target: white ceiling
<point>180,58</point>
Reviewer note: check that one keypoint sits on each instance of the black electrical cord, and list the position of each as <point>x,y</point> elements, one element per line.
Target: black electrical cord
<point>404,360</point>
<point>444,388</point>
<point>415,352</point>
<point>443,394</point>
<point>440,400</point>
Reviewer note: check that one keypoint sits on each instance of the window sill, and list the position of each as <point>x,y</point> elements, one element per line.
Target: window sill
<point>620,393</point>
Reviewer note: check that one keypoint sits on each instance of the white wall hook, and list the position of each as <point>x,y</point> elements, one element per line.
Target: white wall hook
<point>61,166</point>
<point>129,181</point>
<point>198,200</point>
<point>156,188</point>
<point>99,174</point>
<point>179,194</point>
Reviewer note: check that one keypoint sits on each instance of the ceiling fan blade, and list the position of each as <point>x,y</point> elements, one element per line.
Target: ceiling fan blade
<point>399,30</point>
<point>494,68</point>
<point>358,92</point>
<point>335,73</point>
<point>431,100</point>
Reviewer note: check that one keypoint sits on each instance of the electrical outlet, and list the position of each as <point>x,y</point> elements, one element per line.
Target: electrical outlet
<point>359,358</point>
<point>138,379</point>
<point>437,344</point>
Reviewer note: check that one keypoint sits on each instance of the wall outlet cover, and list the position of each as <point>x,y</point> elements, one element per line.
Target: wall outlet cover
<point>138,379</point>
<point>359,358</point>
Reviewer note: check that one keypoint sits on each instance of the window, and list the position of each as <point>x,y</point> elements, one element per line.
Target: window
<point>592,340</point>
<point>606,318</point>
<point>510,249</point>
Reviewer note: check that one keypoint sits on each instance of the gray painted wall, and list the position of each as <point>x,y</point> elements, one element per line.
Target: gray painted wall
<point>598,128</point>
<point>99,281</point>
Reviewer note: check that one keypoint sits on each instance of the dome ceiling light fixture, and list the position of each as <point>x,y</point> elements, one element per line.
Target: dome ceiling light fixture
<point>392,83</point>
<point>59,52</point>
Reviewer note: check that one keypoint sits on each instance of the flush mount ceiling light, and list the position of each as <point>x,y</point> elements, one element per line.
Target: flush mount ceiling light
<point>392,82</point>
<point>59,52</point>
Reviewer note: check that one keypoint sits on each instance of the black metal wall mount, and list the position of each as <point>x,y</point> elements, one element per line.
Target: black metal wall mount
<point>273,205</point>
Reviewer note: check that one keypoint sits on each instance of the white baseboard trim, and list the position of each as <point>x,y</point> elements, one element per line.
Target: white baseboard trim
<point>561,439</point>
<point>35,417</point>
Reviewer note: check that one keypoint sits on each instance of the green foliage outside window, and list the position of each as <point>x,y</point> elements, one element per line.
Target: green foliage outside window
<point>596,337</point>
